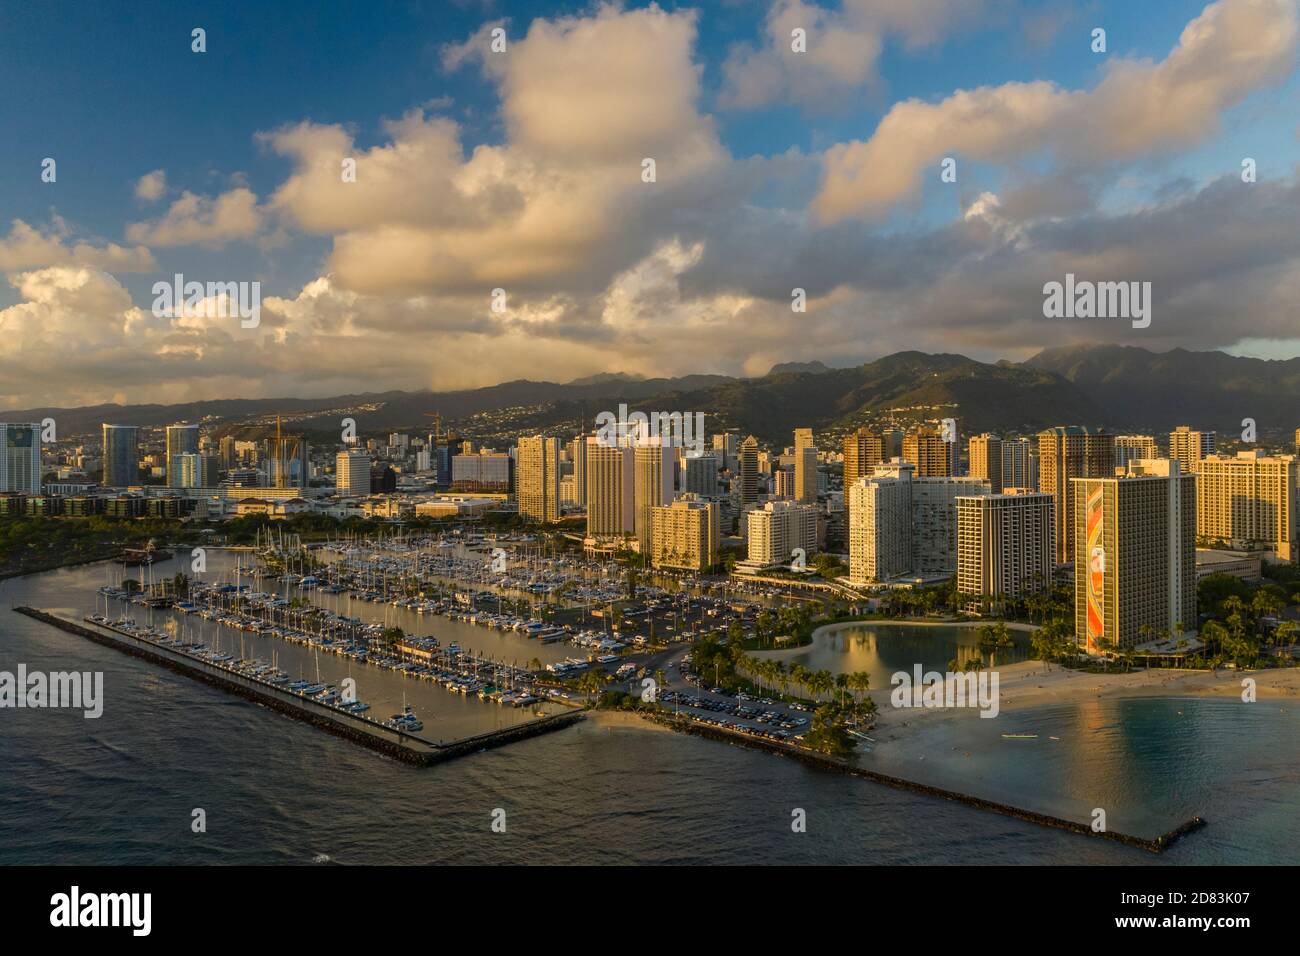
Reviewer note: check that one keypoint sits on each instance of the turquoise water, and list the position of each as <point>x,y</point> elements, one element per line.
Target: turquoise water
<point>1149,763</point>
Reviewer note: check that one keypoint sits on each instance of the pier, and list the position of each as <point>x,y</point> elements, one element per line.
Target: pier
<point>401,745</point>
<point>824,762</point>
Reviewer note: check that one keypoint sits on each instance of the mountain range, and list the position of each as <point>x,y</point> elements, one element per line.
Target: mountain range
<point>1120,387</point>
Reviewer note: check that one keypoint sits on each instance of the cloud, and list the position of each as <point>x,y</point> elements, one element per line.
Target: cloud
<point>201,220</point>
<point>27,247</point>
<point>695,271</point>
<point>151,186</point>
<point>843,48</point>
<point>1139,108</point>
<point>557,206</point>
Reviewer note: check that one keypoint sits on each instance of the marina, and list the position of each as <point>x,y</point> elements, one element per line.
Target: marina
<point>397,737</point>
<point>455,690</point>
<point>235,608</point>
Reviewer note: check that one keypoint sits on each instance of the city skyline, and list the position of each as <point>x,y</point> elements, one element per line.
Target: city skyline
<point>479,171</point>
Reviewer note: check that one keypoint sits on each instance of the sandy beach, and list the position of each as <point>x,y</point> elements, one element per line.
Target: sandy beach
<point>1031,684</point>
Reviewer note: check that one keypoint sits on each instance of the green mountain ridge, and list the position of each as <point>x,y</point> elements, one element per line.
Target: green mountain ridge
<point>1120,387</point>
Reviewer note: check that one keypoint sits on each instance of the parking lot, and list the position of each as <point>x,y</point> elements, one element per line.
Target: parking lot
<point>759,717</point>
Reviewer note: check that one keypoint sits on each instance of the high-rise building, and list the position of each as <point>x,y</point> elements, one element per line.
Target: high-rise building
<point>805,467</point>
<point>686,534</point>
<point>863,451</point>
<point>776,529</point>
<point>1068,452</point>
<point>1004,545</point>
<point>121,456</point>
<point>783,482</point>
<point>383,478</point>
<point>1249,502</point>
<point>748,455</point>
<point>986,460</point>
<point>610,511</point>
<point>20,458</point>
<point>186,470</point>
<point>182,439</point>
<point>1019,463</point>
<point>880,523</point>
<point>352,473</point>
<point>1297,441</point>
<point>1134,556</point>
<point>1134,448</point>
<point>210,474</point>
<point>537,478</point>
<point>700,476</point>
<point>578,453</point>
<point>934,520</point>
<point>653,460</point>
<point>485,472</point>
<point>926,449</point>
<point>727,447</point>
<point>1188,447</point>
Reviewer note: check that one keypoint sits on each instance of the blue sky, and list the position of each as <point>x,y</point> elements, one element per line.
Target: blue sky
<point>112,91</point>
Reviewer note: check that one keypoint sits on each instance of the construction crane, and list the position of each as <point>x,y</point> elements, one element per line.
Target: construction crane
<point>437,426</point>
<point>282,458</point>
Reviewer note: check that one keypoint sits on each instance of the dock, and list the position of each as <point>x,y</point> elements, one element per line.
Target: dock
<point>404,746</point>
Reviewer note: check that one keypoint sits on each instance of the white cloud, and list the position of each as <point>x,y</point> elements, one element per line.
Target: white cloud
<point>27,247</point>
<point>556,206</point>
<point>843,47</point>
<point>201,220</point>
<point>1233,48</point>
<point>151,186</point>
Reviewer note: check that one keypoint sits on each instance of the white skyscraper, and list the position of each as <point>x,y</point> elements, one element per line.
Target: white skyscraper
<point>934,521</point>
<point>352,473</point>
<point>880,524</point>
<point>654,458</point>
<point>774,531</point>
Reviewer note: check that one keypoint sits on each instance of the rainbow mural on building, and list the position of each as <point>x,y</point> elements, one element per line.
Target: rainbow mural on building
<point>1096,573</point>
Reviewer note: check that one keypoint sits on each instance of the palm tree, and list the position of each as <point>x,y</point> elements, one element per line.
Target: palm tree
<point>859,683</point>
<point>782,676</point>
<point>591,683</point>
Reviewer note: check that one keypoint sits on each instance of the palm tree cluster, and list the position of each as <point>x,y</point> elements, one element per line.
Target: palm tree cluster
<point>793,621</point>
<point>1242,635</point>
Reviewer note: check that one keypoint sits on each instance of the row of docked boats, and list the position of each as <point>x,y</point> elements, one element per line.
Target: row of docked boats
<point>421,658</point>
<point>258,671</point>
